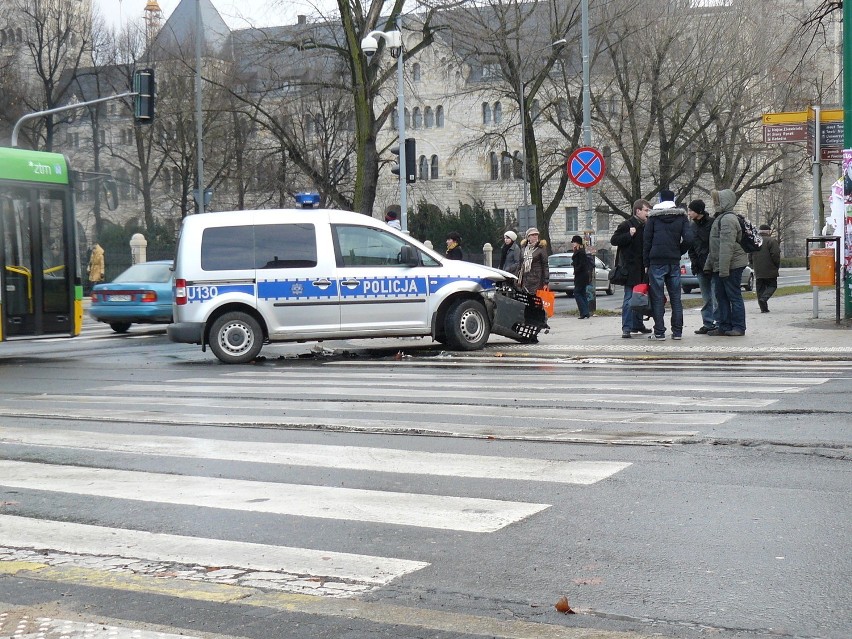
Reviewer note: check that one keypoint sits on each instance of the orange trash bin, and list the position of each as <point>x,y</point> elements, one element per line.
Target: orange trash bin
<point>822,267</point>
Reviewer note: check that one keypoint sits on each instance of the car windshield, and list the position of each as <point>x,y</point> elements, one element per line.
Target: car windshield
<point>146,273</point>
<point>559,261</point>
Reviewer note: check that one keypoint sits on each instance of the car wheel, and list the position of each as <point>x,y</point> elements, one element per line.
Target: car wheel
<point>120,327</point>
<point>236,338</point>
<point>749,286</point>
<point>466,326</point>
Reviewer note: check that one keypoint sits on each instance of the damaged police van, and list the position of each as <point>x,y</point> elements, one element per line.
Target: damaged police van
<point>245,278</point>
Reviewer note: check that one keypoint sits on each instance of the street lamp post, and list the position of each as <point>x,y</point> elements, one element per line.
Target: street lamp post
<point>369,44</point>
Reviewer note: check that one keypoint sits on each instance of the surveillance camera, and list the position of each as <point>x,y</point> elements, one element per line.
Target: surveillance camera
<point>369,45</point>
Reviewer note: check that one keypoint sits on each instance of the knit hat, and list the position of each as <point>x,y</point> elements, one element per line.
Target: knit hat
<point>455,237</point>
<point>577,240</point>
<point>698,206</point>
<point>764,227</point>
<point>511,235</point>
<point>666,195</point>
<point>531,230</point>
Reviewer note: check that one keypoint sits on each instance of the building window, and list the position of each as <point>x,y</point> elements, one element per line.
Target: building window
<point>535,110</point>
<point>439,117</point>
<point>500,216</point>
<point>602,220</point>
<point>423,168</point>
<point>571,213</point>
<point>434,175</point>
<point>428,117</point>
<point>498,113</point>
<point>417,118</point>
<point>486,113</point>
<point>494,165</point>
<point>506,168</point>
<point>415,71</point>
<point>519,165</point>
<point>407,119</point>
<point>395,120</point>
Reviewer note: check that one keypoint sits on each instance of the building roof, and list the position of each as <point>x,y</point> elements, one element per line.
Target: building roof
<point>177,36</point>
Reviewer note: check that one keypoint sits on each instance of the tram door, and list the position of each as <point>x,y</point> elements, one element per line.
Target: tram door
<point>37,285</point>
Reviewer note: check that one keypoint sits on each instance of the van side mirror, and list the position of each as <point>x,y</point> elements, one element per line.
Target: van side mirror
<point>409,256</point>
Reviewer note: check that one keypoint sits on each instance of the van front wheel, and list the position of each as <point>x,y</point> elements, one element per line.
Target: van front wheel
<point>236,338</point>
<point>466,326</point>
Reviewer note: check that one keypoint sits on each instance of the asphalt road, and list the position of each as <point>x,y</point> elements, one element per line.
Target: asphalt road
<point>430,496</point>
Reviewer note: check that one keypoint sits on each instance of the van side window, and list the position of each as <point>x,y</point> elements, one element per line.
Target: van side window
<point>246,247</point>
<point>364,246</point>
<point>285,246</point>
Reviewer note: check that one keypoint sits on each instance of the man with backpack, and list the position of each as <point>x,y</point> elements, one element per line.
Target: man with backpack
<point>726,263</point>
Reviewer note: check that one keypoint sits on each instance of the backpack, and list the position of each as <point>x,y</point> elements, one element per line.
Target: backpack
<point>750,238</point>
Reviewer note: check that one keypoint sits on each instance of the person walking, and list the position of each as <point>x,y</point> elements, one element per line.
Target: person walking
<point>726,261</point>
<point>668,234</point>
<point>698,252</point>
<point>96,265</point>
<point>510,253</point>
<point>581,276</point>
<point>534,273</point>
<point>628,238</point>
<point>765,263</point>
<point>454,250</point>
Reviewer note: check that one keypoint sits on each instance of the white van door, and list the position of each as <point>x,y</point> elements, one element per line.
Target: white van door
<point>377,292</point>
<point>297,292</point>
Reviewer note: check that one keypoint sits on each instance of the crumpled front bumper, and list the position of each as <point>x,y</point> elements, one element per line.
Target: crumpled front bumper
<point>518,315</point>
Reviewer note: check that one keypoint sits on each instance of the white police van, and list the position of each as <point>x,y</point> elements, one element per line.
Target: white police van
<point>244,278</point>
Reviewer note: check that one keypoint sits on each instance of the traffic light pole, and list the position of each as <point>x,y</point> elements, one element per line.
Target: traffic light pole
<point>847,143</point>
<point>400,109</point>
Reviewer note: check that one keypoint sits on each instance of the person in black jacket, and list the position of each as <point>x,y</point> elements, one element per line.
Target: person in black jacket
<point>628,238</point>
<point>581,276</point>
<point>698,252</point>
<point>668,234</point>
<point>454,250</point>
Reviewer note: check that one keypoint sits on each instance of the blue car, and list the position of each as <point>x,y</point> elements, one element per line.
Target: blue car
<point>140,295</point>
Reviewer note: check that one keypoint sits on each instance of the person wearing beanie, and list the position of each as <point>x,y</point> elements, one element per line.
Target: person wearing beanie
<point>668,235</point>
<point>534,273</point>
<point>510,253</point>
<point>454,250</point>
<point>391,218</point>
<point>698,252</point>
<point>727,261</point>
<point>765,263</point>
<point>666,200</point>
<point>581,276</point>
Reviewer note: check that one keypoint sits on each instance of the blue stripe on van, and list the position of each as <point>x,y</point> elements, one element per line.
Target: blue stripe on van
<point>437,283</point>
<point>297,289</point>
<point>205,292</point>
<point>385,287</point>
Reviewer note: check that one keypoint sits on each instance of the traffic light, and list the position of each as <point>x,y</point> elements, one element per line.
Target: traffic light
<point>410,161</point>
<point>145,90</point>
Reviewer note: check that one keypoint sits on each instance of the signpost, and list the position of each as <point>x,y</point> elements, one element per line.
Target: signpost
<point>586,167</point>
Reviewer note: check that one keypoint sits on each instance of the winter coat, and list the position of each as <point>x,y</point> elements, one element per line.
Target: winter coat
<point>668,235</point>
<point>630,249</point>
<point>700,248</point>
<point>510,258</point>
<point>455,253</point>
<point>580,262</point>
<point>534,272</point>
<point>725,252</point>
<point>767,260</point>
<point>96,264</point>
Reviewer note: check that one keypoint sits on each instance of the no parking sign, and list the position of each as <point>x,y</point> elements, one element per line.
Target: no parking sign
<point>586,167</point>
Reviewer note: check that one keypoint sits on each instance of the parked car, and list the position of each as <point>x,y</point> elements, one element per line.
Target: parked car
<point>140,295</point>
<point>562,274</point>
<point>688,281</point>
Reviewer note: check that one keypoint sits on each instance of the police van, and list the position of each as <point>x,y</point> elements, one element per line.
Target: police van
<point>245,278</point>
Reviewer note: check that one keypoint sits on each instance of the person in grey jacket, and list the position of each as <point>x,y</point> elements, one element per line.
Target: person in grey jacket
<point>510,253</point>
<point>726,262</point>
<point>765,263</point>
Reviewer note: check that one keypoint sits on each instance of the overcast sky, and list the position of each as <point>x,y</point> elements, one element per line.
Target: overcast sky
<point>236,13</point>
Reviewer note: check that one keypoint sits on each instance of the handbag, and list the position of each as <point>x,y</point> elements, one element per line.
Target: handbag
<point>548,300</point>
<point>639,301</point>
<point>618,273</point>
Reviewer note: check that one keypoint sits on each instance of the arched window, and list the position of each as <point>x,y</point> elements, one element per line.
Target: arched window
<point>518,160</point>
<point>535,110</point>
<point>498,113</point>
<point>494,165</point>
<point>486,113</point>
<point>428,117</point>
<point>439,117</point>
<point>434,175</point>
<point>415,72</point>
<point>423,168</point>
<point>417,118</point>
<point>309,125</point>
<point>506,166</point>
<point>122,180</point>
<point>395,119</point>
<point>407,118</point>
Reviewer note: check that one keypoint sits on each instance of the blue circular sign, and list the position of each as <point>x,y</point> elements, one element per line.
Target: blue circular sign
<point>586,167</point>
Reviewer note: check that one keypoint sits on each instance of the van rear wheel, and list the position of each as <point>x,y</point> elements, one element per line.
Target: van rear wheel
<point>466,326</point>
<point>236,338</point>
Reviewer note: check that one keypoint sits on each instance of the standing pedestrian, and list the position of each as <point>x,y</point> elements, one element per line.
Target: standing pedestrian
<point>510,253</point>
<point>765,263</point>
<point>454,250</point>
<point>698,252</point>
<point>668,234</point>
<point>96,265</point>
<point>581,276</point>
<point>628,238</point>
<point>534,273</point>
<point>391,218</point>
<point>726,261</point>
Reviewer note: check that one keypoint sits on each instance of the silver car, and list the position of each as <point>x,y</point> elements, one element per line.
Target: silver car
<point>689,282</point>
<point>562,274</point>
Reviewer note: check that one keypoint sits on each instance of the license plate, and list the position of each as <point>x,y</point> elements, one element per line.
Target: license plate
<point>119,298</point>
